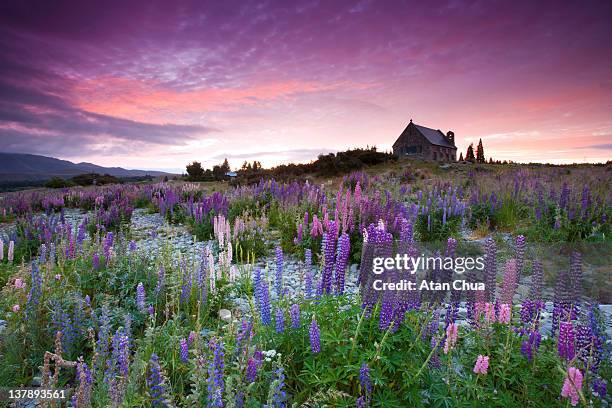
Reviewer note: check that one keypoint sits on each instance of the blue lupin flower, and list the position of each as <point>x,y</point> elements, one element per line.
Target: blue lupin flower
<point>184,351</point>
<point>294,312</point>
<point>315,336</point>
<point>140,297</point>
<point>264,303</point>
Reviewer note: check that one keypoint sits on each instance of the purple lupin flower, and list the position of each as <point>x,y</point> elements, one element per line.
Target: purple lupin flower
<point>490,269</point>
<point>530,345</point>
<point>243,334</point>
<point>156,383</point>
<point>364,379</point>
<point>214,380</point>
<point>599,386</point>
<point>308,283</point>
<point>565,345</point>
<point>264,303</point>
<point>294,312</point>
<point>279,272</point>
<point>251,370</point>
<point>344,246</point>
<point>584,342</point>
<point>535,292</point>
<point>361,402</point>
<point>95,261</point>
<point>35,291</point>
<point>315,336</point>
<point>328,245</point>
<point>585,201</point>
<point>104,331</point>
<point>140,297</point>
<point>386,311</point>
<point>184,346</point>
<point>280,320</point>
<point>307,259</point>
<point>278,393</point>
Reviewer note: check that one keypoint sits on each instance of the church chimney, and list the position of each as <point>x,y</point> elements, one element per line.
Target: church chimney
<point>450,136</point>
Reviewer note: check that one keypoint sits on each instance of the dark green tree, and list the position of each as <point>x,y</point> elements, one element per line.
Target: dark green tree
<point>469,156</point>
<point>480,153</point>
<point>225,167</point>
<point>195,170</point>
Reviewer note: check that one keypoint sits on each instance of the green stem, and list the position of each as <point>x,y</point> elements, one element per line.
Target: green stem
<point>433,350</point>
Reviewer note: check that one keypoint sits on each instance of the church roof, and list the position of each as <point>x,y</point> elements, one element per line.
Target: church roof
<point>435,137</point>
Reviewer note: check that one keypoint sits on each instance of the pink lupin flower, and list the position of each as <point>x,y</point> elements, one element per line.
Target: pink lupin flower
<point>1,250</point>
<point>489,310</point>
<point>482,364</point>
<point>572,385</point>
<point>16,308</point>
<point>19,283</point>
<point>505,314</point>
<point>451,337</point>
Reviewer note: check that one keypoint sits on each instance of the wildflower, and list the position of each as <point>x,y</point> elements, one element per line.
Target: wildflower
<point>257,285</point>
<point>215,375</point>
<point>510,282</point>
<point>16,308</point>
<point>184,351</point>
<point>315,336</point>
<point>280,320</point>
<point>294,312</point>
<point>278,394</point>
<point>531,344</point>
<point>35,290</point>
<point>490,269</point>
<point>58,277</point>
<point>364,379</point>
<point>361,402</point>
<point>599,386</point>
<point>565,342</point>
<point>19,283</point>
<point>156,383</point>
<point>505,314</point>
<point>251,371</point>
<point>132,246</point>
<point>264,303</point>
<point>95,261</point>
<point>11,251</point>
<point>572,385</point>
<point>151,310</point>
<point>328,250</point>
<point>482,364</point>
<point>451,337</point>
<point>308,284</point>
<point>140,297</point>
<point>344,246</point>
<point>1,250</point>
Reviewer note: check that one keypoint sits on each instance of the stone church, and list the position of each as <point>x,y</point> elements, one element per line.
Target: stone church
<point>421,142</point>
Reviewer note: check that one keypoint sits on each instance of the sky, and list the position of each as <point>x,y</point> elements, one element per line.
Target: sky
<point>158,84</point>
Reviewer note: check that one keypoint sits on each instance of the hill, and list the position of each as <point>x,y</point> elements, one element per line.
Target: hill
<point>18,167</point>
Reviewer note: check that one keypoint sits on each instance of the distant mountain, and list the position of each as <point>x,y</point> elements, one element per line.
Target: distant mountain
<point>31,167</point>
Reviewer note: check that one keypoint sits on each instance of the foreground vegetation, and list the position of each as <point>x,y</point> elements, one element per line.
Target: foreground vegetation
<point>88,309</point>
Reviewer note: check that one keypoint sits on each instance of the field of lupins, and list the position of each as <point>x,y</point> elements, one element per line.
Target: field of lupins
<point>266,310</point>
